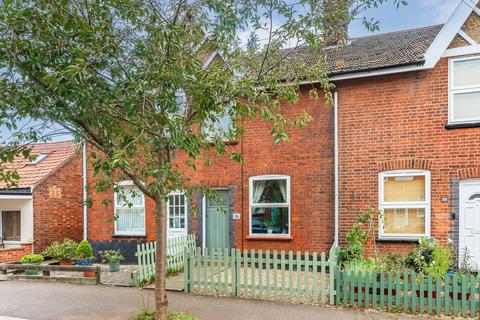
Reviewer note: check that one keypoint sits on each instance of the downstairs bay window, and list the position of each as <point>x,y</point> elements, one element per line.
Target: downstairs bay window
<point>129,210</point>
<point>269,205</point>
<point>405,204</point>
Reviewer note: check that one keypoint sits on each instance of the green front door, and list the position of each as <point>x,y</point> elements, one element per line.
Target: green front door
<point>218,225</point>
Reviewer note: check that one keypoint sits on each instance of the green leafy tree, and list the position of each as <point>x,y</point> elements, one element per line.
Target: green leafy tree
<point>128,77</point>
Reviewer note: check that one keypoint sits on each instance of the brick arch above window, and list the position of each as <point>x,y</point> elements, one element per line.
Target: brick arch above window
<point>410,163</point>
<point>469,173</point>
<point>272,170</point>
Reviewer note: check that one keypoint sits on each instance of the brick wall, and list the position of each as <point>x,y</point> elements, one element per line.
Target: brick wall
<point>307,159</point>
<point>14,254</point>
<point>398,122</point>
<point>58,205</point>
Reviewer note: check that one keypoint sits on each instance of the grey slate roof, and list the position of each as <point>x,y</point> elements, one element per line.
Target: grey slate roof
<point>407,47</point>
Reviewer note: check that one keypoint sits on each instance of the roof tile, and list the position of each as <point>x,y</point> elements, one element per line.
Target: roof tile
<point>31,174</point>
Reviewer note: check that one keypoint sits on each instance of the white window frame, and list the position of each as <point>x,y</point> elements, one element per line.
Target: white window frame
<point>125,183</point>
<point>11,242</point>
<point>452,90</point>
<point>404,204</point>
<point>269,205</point>
<point>177,231</point>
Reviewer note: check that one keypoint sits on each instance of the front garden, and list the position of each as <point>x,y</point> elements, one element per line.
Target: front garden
<point>66,261</point>
<point>427,280</point>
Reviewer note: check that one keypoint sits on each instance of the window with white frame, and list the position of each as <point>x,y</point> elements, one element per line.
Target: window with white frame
<point>10,225</point>
<point>405,204</point>
<point>464,96</point>
<point>269,205</point>
<point>177,211</point>
<point>129,209</point>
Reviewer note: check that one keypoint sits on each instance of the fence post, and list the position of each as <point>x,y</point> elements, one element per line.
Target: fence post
<point>186,271</point>
<point>332,262</point>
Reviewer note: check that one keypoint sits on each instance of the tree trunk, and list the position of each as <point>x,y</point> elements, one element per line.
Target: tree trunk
<point>161,301</point>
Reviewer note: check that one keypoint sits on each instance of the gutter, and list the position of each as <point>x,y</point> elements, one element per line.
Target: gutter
<point>84,182</point>
<point>335,134</point>
<point>370,70</point>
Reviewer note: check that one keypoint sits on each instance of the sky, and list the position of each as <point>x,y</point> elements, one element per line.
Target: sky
<point>418,13</point>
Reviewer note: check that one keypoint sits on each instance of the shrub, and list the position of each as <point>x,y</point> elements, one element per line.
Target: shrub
<point>441,262</point>
<point>350,253</point>
<point>31,258</point>
<point>112,255</point>
<point>62,250</point>
<point>361,265</point>
<point>84,250</point>
<point>393,262</point>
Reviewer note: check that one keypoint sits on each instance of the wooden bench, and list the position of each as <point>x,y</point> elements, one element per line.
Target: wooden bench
<point>47,269</point>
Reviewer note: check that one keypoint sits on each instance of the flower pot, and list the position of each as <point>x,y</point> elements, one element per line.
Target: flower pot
<point>89,274</point>
<point>31,272</point>
<point>269,230</point>
<point>114,266</point>
<point>66,262</point>
<point>85,263</point>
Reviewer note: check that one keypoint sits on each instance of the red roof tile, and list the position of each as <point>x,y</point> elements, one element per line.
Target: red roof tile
<point>57,153</point>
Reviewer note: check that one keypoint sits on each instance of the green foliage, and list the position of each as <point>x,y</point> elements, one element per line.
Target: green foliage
<point>150,315</point>
<point>359,265</point>
<point>393,262</point>
<point>84,250</point>
<point>357,238</point>
<point>64,250</point>
<point>181,316</point>
<point>145,315</point>
<point>351,252</point>
<point>441,262</point>
<point>420,258</point>
<point>112,255</point>
<point>31,258</point>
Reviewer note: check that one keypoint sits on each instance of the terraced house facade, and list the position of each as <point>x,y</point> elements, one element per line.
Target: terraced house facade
<point>403,136</point>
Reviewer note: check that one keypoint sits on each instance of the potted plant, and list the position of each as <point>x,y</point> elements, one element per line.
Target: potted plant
<point>63,251</point>
<point>113,258</point>
<point>84,257</point>
<point>31,259</point>
<point>269,224</point>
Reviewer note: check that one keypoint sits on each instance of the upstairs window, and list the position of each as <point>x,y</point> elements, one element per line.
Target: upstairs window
<point>405,204</point>
<point>129,210</point>
<point>464,96</point>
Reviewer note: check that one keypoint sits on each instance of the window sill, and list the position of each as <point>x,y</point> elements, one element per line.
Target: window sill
<point>450,126</point>
<point>116,235</point>
<point>270,238</point>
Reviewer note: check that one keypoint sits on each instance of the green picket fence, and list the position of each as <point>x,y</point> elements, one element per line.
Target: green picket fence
<point>409,293</point>
<point>267,275</point>
<point>175,255</point>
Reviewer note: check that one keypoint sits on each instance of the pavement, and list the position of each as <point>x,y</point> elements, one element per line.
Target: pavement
<point>39,301</point>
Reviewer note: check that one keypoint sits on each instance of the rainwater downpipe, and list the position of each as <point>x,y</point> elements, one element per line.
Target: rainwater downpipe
<point>84,185</point>
<point>335,137</point>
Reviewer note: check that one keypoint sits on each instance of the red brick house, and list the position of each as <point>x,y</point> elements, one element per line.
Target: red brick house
<point>403,136</point>
<point>47,204</point>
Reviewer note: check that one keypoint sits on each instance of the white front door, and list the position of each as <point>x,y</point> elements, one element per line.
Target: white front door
<point>177,215</point>
<point>469,228</point>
